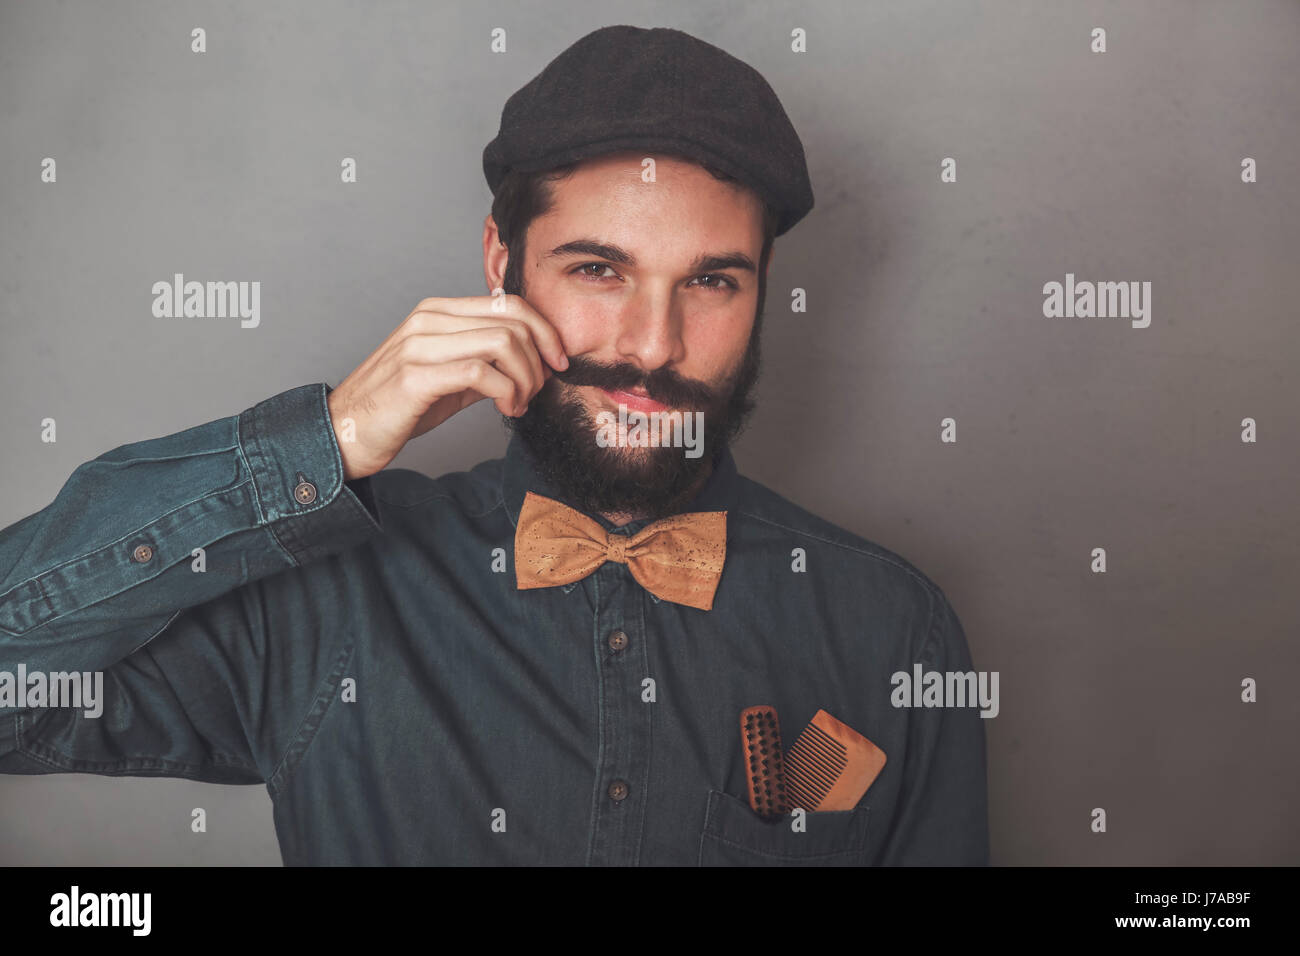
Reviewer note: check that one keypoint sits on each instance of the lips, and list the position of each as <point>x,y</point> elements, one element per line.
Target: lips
<point>636,403</point>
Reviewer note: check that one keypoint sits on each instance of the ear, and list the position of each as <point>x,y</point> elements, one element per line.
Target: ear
<point>495,255</point>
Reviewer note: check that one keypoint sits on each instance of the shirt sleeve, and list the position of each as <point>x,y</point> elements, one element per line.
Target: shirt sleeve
<point>148,567</point>
<point>942,818</point>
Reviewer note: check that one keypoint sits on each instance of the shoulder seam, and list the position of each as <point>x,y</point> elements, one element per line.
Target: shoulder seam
<point>931,635</point>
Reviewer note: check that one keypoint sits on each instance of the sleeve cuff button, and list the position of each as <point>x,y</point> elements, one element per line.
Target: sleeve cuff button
<point>305,492</point>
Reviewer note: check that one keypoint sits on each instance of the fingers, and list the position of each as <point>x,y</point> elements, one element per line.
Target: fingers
<point>502,307</point>
<point>473,374</point>
<point>519,342</point>
<point>447,354</point>
<point>501,348</point>
<point>506,339</point>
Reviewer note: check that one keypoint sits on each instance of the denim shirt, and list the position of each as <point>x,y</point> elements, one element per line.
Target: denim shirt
<point>361,649</point>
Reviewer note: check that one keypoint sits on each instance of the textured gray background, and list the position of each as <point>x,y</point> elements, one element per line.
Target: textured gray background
<point>1118,690</point>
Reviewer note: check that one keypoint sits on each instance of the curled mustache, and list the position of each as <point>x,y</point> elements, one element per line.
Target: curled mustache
<point>662,385</point>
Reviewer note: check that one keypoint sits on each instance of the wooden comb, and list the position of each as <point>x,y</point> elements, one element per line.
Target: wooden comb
<point>760,731</point>
<point>830,766</point>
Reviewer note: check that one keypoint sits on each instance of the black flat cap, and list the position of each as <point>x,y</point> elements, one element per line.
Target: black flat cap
<point>661,90</point>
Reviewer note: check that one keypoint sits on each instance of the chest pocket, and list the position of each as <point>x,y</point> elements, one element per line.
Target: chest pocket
<point>734,835</point>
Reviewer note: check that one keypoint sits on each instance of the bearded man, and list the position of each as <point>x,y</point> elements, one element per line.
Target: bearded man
<point>577,654</point>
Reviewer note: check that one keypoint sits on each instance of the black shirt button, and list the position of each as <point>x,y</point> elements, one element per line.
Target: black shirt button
<point>618,790</point>
<point>305,492</point>
<point>142,553</point>
<point>617,640</point>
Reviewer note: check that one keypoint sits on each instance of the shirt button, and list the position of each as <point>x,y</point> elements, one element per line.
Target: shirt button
<point>142,553</point>
<point>617,640</point>
<point>618,790</point>
<point>305,492</point>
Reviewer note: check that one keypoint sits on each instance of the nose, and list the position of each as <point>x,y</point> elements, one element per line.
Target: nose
<point>650,330</point>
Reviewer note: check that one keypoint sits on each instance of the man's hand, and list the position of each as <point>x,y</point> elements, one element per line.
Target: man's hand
<point>447,355</point>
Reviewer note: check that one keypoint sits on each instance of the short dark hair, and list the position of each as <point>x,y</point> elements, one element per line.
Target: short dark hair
<point>522,197</point>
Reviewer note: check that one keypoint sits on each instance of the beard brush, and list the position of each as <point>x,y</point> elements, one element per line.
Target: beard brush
<point>760,733</point>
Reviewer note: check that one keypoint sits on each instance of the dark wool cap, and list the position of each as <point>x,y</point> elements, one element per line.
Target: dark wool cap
<point>661,90</point>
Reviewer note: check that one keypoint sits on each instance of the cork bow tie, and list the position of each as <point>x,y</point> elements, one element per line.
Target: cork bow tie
<point>678,558</point>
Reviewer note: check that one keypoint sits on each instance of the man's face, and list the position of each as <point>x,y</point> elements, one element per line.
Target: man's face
<point>654,290</point>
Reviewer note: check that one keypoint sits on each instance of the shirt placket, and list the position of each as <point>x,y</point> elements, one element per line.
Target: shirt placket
<point>623,762</point>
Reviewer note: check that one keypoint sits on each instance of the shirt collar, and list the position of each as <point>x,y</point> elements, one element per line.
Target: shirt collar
<point>519,477</point>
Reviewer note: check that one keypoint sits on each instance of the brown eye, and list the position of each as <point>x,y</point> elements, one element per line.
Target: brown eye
<point>724,282</point>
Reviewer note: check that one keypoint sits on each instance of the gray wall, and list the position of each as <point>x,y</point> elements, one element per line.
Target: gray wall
<point>1119,690</point>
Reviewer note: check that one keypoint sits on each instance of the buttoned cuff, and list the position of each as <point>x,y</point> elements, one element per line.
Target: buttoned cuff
<point>289,443</point>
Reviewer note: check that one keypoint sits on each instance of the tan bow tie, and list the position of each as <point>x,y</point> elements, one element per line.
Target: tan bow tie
<point>678,558</point>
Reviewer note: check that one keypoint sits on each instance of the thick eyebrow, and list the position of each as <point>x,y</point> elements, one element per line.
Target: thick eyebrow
<point>705,262</point>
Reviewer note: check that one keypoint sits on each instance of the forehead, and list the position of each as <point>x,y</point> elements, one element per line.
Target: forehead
<point>684,201</point>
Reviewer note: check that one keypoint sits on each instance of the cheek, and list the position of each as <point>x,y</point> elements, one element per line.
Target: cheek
<point>721,349</point>
<point>579,321</point>
<point>582,328</point>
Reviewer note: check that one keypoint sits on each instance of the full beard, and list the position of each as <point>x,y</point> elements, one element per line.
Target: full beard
<point>558,432</point>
